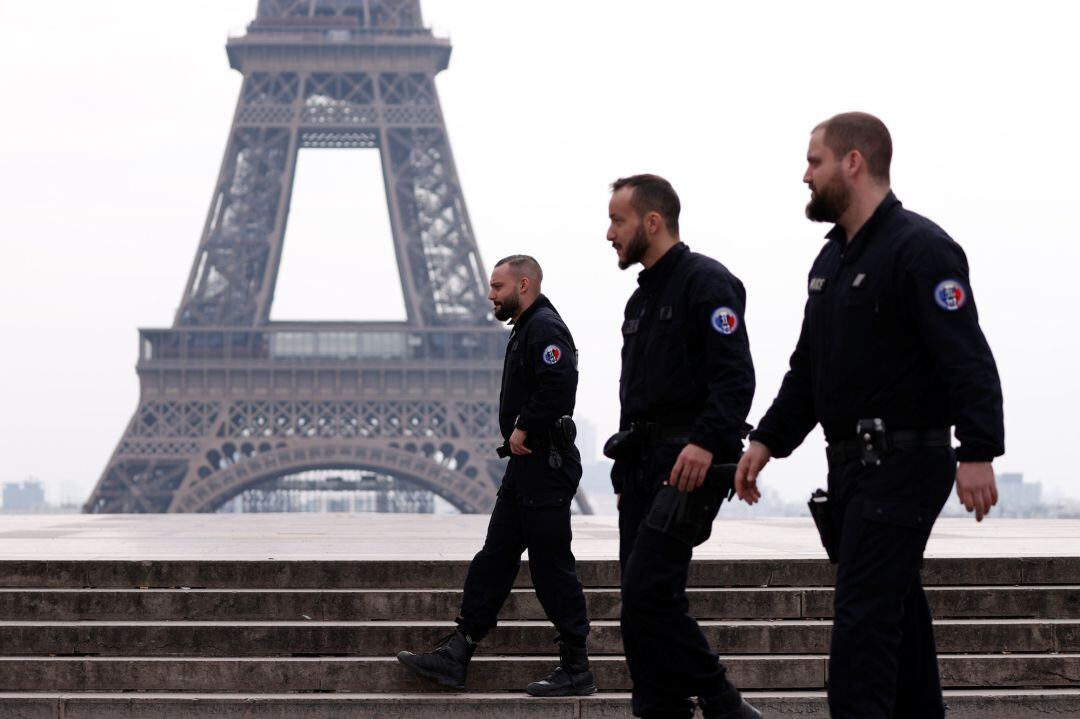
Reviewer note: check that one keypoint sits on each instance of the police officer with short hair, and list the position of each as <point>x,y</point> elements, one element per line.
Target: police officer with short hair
<point>532,510</point>
<point>890,357</point>
<point>686,387</point>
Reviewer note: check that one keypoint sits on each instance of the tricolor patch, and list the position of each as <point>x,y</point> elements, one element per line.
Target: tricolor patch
<point>552,354</point>
<point>950,295</point>
<point>725,321</point>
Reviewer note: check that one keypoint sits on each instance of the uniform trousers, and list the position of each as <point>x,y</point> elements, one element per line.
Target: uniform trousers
<point>540,522</point>
<point>668,656</point>
<point>883,659</point>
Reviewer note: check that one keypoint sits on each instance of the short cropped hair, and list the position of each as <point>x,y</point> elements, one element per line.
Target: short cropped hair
<point>652,193</point>
<point>523,266</point>
<point>863,132</point>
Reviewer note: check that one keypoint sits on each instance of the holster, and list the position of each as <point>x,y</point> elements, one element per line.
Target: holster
<point>823,520</point>
<point>688,516</point>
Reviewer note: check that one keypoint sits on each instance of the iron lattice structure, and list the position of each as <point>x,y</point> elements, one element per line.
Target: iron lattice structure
<point>230,401</point>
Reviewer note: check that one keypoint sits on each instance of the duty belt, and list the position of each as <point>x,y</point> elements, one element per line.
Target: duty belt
<point>654,434</point>
<point>851,449</point>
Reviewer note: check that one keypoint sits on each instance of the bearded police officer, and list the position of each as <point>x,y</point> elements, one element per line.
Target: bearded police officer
<point>532,510</point>
<point>686,386</point>
<point>890,357</point>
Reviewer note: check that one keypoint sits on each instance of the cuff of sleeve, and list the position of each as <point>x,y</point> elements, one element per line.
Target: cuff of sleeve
<point>976,453</point>
<point>770,440</point>
<point>722,451</point>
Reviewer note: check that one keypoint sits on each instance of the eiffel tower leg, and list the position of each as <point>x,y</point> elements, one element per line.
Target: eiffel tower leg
<point>231,401</point>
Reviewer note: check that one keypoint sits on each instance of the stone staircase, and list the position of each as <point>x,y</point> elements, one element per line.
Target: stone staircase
<point>289,639</point>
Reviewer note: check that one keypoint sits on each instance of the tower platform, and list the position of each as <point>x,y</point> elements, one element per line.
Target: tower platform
<point>301,615</point>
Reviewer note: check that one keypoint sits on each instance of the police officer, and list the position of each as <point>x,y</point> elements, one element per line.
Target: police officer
<point>686,386</point>
<point>889,358</point>
<point>532,510</point>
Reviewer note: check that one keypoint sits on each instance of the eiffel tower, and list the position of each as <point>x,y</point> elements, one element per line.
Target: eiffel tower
<point>230,401</point>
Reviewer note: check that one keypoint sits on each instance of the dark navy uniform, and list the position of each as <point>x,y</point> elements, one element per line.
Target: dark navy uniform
<point>533,507</point>
<point>687,376</point>
<point>890,332</point>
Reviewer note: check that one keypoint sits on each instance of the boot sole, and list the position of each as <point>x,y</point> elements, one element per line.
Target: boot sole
<point>438,678</point>
<point>569,692</point>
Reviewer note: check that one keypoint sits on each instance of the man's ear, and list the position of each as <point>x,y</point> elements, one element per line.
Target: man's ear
<point>854,163</point>
<point>523,284</point>
<point>653,222</point>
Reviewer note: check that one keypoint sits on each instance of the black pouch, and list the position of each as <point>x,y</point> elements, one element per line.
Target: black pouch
<point>688,516</point>
<point>819,510</point>
<point>623,445</point>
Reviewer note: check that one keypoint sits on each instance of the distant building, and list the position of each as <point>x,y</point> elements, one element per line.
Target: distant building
<point>23,496</point>
<point>1017,498</point>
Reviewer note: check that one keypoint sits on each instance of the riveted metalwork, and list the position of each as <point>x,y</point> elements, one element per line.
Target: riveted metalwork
<point>231,401</point>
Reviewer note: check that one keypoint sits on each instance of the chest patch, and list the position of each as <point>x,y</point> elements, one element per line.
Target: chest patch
<point>552,355</point>
<point>950,295</point>
<point>725,321</point>
<point>817,284</point>
<point>857,282</point>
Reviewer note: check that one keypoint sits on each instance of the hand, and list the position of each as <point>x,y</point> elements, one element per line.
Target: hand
<point>746,474</point>
<point>690,468</point>
<point>517,441</point>
<point>976,487</point>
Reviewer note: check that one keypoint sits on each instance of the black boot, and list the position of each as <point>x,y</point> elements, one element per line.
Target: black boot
<point>571,678</point>
<point>726,708</point>
<point>447,663</point>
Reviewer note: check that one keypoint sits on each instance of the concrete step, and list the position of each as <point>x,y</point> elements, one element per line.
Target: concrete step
<point>304,638</point>
<point>1050,602</point>
<point>964,704</point>
<point>486,674</point>
<point>272,574</point>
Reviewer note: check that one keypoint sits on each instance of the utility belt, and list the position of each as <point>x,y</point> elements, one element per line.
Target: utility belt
<point>558,439</point>
<point>684,516</point>
<point>873,442</point>
<point>630,443</point>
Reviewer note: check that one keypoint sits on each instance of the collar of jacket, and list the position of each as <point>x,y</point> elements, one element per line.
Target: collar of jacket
<point>540,301</point>
<point>663,267</point>
<point>851,250</point>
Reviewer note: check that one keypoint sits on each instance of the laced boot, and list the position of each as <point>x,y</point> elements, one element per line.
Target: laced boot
<point>447,663</point>
<point>733,707</point>
<point>571,678</point>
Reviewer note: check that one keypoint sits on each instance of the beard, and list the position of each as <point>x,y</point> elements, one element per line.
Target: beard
<point>635,249</point>
<point>507,308</point>
<point>830,202</point>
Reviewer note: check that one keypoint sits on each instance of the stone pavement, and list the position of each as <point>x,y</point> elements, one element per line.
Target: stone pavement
<point>350,537</point>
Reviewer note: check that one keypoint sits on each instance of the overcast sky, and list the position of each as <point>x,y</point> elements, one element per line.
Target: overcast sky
<point>116,115</point>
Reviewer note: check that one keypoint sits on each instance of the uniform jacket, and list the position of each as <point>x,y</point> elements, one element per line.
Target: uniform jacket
<point>890,331</point>
<point>686,353</point>
<point>540,373</point>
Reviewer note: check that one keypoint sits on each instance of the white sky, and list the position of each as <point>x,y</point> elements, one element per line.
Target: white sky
<point>116,115</point>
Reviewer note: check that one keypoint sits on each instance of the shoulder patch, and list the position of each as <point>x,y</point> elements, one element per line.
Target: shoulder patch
<point>950,295</point>
<point>725,321</point>
<point>552,355</point>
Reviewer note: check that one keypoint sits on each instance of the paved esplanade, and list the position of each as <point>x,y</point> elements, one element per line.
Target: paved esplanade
<point>300,615</point>
<point>456,537</point>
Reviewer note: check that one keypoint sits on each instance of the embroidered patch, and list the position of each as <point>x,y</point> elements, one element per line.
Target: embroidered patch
<point>552,354</point>
<point>725,321</point>
<point>817,284</point>
<point>950,295</point>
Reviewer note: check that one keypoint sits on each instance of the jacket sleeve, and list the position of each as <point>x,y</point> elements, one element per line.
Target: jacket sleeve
<point>939,297</point>
<point>718,313</point>
<point>553,362</point>
<point>792,414</point>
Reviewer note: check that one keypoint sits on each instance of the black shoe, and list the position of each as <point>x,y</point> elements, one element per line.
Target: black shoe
<point>571,678</point>
<point>711,710</point>
<point>447,663</point>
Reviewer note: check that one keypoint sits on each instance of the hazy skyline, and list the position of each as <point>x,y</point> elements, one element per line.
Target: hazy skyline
<point>119,113</point>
